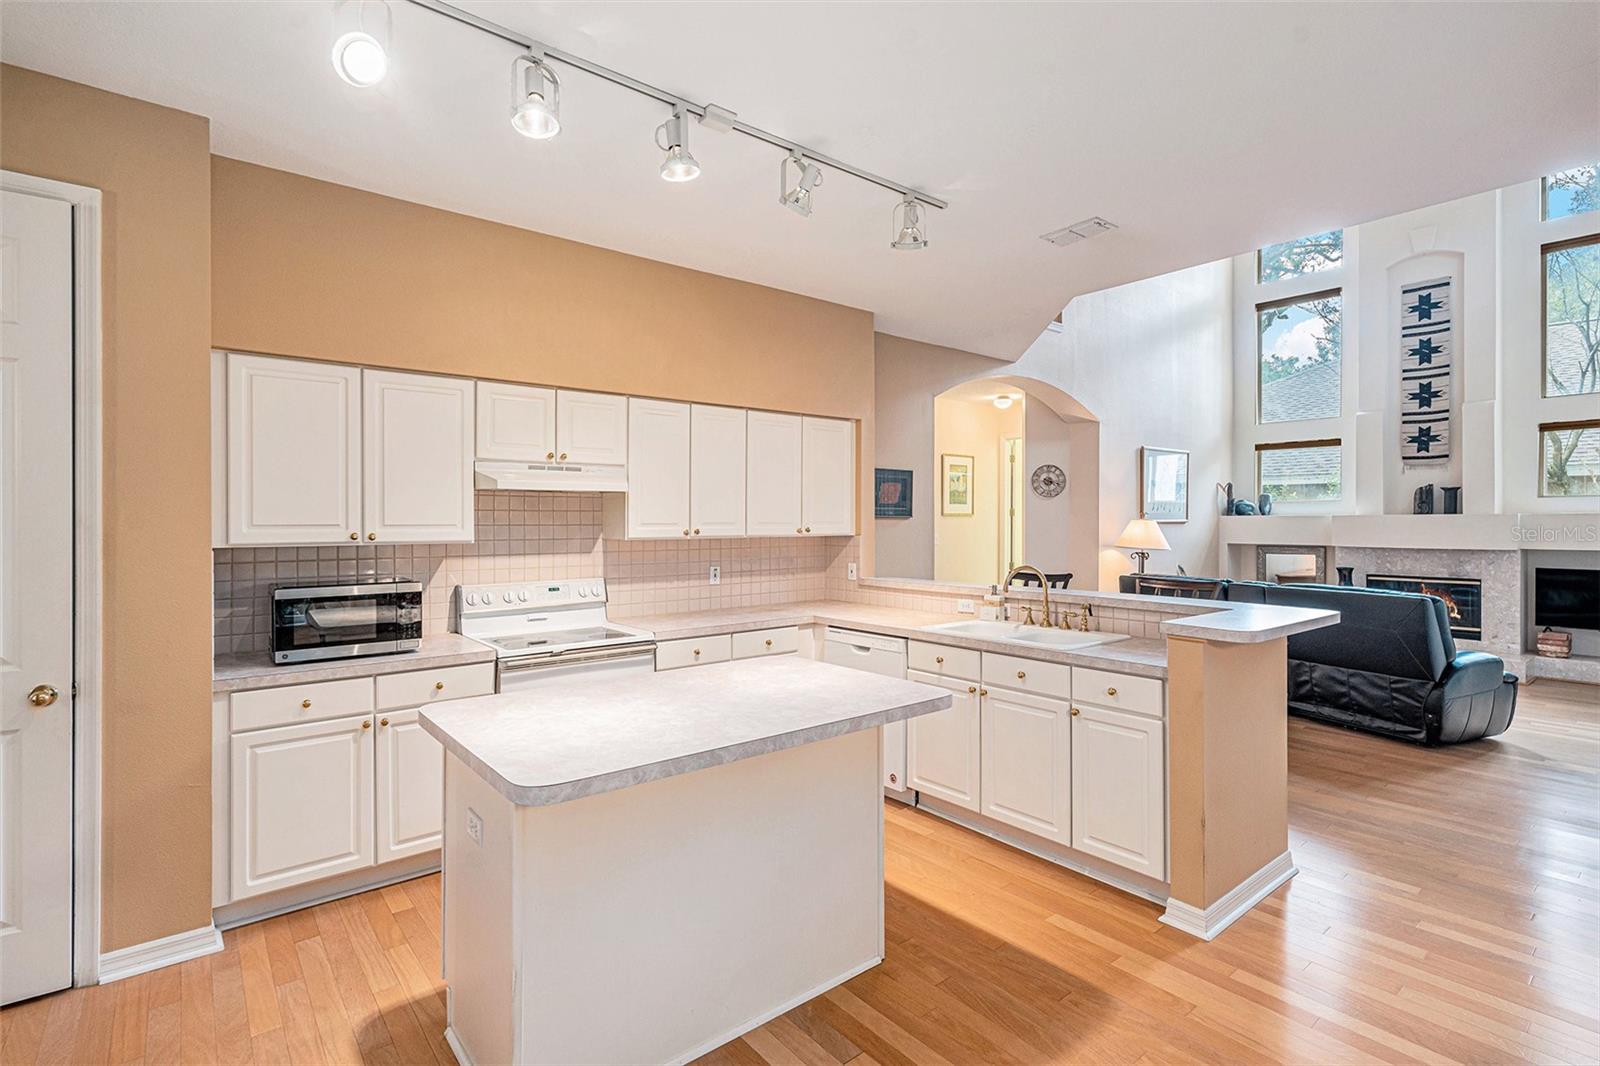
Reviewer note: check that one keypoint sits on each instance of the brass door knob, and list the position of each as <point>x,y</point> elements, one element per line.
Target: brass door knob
<point>43,695</point>
<point>367,724</point>
<point>438,686</point>
<point>550,455</point>
<point>1074,712</point>
<point>1111,692</point>
<point>1021,674</point>
<point>971,689</point>
<point>355,536</point>
<point>372,536</point>
<point>383,721</point>
<point>306,704</point>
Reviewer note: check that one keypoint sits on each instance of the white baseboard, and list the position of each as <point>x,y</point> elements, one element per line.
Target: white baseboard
<point>1206,924</point>
<point>154,954</point>
<point>456,1049</point>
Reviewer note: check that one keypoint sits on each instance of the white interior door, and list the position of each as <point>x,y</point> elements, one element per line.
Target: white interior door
<point>35,596</point>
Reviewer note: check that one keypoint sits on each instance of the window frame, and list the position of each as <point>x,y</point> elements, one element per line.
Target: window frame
<point>1290,301</point>
<point>1336,443</point>
<point>1260,281</point>
<point>1544,311</point>
<point>1556,427</point>
<point>1544,201</point>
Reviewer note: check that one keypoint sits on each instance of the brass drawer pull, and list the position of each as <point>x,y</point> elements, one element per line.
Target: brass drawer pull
<point>438,686</point>
<point>355,536</point>
<point>697,651</point>
<point>306,704</point>
<point>372,536</point>
<point>1111,692</point>
<point>1021,675</point>
<point>939,659</point>
<point>769,642</point>
<point>1074,712</point>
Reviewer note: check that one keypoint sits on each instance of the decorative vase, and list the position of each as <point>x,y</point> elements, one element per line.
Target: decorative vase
<point>1452,498</point>
<point>1422,500</point>
<point>1347,575</point>
<point>1264,503</point>
<point>1243,507</point>
<point>1227,505</point>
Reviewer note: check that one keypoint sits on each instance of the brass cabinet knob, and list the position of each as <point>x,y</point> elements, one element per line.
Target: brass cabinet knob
<point>769,643</point>
<point>1074,712</point>
<point>797,529</point>
<point>971,689</point>
<point>438,686</point>
<point>939,659</point>
<point>983,692</point>
<point>367,724</point>
<point>1111,692</point>
<point>1021,674</point>
<point>372,536</point>
<point>305,704</point>
<point>43,695</point>
<point>563,455</point>
<point>697,531</point>
<point>894,779</point>
<point>697,651</point>
<point>550,455</point>
<point>355,536</point>
<point>383,721</point>
<point>808,529</point>
<point>686,532</point>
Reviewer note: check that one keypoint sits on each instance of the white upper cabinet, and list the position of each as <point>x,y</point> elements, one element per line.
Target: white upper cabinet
<point>1119,799</point>
<point>772,480</point>
<point>591,427</point>
<point>716,471</point>
<point>516,423</point>
<point>293,451</point>
<point>828,476</point>
<point>417,448</point>
<point>657,503</point>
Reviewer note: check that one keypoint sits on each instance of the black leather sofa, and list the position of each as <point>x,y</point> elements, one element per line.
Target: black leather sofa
<point>1390,666</point>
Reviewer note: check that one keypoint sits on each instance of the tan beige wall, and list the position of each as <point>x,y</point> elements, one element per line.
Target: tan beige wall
<point>153,167</point>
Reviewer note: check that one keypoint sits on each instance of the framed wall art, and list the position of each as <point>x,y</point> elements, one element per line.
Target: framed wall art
<point>892,493</point>
<point>1163,484</point>
<point>956,498</point>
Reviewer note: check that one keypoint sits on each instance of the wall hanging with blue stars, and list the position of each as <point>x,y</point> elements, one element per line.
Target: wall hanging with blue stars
<point>1427,353</point>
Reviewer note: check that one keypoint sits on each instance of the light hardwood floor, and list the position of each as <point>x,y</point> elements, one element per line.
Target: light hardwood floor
<point>1447,910</point>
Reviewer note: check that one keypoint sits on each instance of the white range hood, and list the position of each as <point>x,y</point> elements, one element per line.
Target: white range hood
<point>549,477</point>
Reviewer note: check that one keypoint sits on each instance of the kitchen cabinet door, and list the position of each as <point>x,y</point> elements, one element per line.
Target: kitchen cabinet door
<point>828,476</point>
<point>301,803</point>
<point>942,748</point>
<point>410,797</point>
<point>591,427</point>
<point>716,471</point>
<point>293,451</point>
<point>515,423</point>
<point>1027,762</point>
<point>1119,801</point>
<point>417,445</point>
<point>773,475</point>
<point>658,469</point>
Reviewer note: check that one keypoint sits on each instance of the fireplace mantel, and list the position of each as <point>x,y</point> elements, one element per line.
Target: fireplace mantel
<point>1469,532</point>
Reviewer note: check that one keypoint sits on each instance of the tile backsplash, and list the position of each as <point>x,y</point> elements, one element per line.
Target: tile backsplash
<point>533,536</point>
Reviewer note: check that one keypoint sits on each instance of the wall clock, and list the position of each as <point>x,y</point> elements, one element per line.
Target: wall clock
<point>1048,480</point>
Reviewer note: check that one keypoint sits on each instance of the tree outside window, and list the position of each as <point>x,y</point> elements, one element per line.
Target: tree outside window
<point>1572,317</point>
<point>1572,192</point>
<point>1570,453</point>
<point>1299,346</point>
<point>1303,255</point>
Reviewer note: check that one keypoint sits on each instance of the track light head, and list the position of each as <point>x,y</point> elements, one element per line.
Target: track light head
<point>360,52</point>
<point>798,198</point>
<point>672,137</point>
<point>909,236</point>
<point>536,98</point>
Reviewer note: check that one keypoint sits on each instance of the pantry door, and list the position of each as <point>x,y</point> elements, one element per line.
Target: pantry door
<point>36,595</point>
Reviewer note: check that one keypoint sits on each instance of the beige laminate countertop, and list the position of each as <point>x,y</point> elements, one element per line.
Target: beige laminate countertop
<point>234,673</point>
<point>1137,655</point>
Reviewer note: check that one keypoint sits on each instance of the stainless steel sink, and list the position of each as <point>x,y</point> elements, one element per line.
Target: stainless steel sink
<point>1025,636</point>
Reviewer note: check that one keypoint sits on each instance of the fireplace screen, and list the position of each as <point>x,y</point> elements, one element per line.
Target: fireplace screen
<point>1463,598</point>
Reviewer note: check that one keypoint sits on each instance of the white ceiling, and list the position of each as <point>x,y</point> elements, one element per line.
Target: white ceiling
<point>1203,130</point>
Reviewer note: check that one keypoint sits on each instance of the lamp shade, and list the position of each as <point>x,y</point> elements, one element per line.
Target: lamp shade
<point>1144,534</point>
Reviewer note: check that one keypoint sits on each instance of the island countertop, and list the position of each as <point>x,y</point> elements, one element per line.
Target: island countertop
<point>553,745</point>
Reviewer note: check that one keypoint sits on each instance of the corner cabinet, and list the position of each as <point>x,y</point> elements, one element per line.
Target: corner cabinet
<point>317,453</point>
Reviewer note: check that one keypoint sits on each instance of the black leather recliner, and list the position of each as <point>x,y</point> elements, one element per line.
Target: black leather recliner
<point>1390,666</point>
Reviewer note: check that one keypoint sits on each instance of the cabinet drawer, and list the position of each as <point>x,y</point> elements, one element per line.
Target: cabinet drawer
<point>293,704</point>
<point>766,642</point>
<point>946,662</point>
<point>416,688</point>
<point>1027,675</point>
<point>1141,695</point>
<point>671,654</point>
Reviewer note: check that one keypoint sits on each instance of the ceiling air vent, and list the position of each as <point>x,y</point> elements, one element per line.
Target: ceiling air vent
<point>1079,231</point>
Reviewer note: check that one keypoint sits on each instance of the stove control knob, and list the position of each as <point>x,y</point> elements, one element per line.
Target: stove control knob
<point>596,590</point>
<point>472,598</point>
<point>508,597</point>
<point>522,595</point>
<point>583,590</point>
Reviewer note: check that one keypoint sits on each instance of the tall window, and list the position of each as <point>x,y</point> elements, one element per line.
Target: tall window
<point>1299,342</point>
<point>1299,470</point>
<point>1303,255</point>
<point>1569,458</point>
<point>1572,317</point>
<point>1571,192</point>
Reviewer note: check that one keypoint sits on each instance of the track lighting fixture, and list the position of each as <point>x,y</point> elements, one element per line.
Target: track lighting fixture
<point>536,98</point>
<point>360,52</point>
<point>672,137</point>
<point>798,199</point>
<point>908,226</point>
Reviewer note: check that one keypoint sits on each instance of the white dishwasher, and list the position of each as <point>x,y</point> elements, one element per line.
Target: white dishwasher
<point>879,655</point>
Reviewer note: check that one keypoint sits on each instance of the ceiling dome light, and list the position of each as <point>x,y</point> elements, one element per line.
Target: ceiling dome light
<point>536,98</point>
<point>798,199</point>
<point>360,56</point>
<point>672,137</point>
<point>1003,402</point>
<point>909,236</point>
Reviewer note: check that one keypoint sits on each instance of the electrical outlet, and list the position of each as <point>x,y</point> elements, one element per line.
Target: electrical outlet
<point>716,575</point>
<point>963,606</point>
<point>475,827</point>
<point>850,572</point>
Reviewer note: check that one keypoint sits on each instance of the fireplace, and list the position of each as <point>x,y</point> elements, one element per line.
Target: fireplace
<point>1462,596</point>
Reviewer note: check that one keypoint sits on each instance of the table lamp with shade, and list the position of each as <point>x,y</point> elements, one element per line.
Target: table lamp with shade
<point>1144,536</point>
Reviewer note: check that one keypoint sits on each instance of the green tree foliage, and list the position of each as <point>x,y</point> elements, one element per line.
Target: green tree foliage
<point>1329,342</point>
<point>1302,255</point>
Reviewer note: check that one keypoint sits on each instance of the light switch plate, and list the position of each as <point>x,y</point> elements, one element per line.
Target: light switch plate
<point>964,606</point>
<point>850,572</point>
<point>716,575</point>
<point>475,826</point>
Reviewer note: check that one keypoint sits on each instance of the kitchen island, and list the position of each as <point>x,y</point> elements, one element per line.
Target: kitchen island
<point>641,869</point>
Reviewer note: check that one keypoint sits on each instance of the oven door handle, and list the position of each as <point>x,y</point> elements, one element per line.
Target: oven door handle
<point>599,655</point>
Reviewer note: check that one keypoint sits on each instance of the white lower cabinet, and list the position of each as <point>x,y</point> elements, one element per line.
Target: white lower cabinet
<point>301,801</point>
<point>1027,762</point>
<point>942,749</point>
<point>410,787</point>
<point>1119,809</point>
